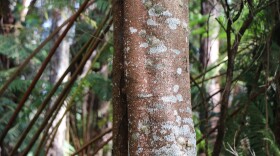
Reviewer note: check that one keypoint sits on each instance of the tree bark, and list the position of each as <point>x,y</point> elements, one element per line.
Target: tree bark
<point>120,122</point>
<point>151,95</point>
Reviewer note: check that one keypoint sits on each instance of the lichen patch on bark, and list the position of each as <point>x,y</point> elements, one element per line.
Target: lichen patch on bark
<point>176,51</point>
<point>179,71</point>
<point>173,23</point>
<point>176,88</point>
<point>151,22</point>
<point>132,30</point>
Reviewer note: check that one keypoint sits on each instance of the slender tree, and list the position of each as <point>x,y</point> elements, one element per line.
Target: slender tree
<point>58,65</point>
<point>277,97</point>
<point>7,22</point>
<point>151,94</point>
<point>209,54</point>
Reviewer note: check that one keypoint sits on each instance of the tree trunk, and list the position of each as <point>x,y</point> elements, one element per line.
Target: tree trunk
<point>6,17</point>
<point>277,111</point>
<point>7,21</point>
<point>209,54</point>
<point>151,95</point>
<point>277,125</point>
<point>23,13</point>
<point>58,65</point>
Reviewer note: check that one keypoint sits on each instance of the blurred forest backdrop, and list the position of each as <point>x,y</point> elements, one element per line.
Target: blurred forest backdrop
<point>56,70</point>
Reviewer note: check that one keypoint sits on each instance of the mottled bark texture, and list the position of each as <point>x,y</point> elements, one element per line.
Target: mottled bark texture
<point>151,95</point>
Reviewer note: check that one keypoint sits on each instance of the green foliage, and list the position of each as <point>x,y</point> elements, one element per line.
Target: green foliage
<point>102,5</point>
<point>247,133</point>
<point>101,86</point>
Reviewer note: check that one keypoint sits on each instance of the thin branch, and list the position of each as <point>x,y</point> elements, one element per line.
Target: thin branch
<point>221,24</point>
<point>208,98</point>
<point>234,113</point>
<point>227,10</point>
<point>92,141</point>
<point>235,18</point>
<point>208,70</point>
<point>103,144</point>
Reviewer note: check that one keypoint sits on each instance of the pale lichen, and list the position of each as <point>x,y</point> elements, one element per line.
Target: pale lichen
<point>159,11</point>
<point>188,121</point>
<point>144,127</point>
<point>151,22</point>
<point>147,3</point>
<point>167,13</point>
<point>144,95</point>
<point>179,71</point>
<point>176,51</point>
<point>189,110</point>
<point>172,98</point>
<point>152,12</point>
<point>132,30</point>
<point>173,23</point>
<point>157,46</point>
<point>135,136</point>
<point>185,26</point>
<point>139,150</point>
<point>170,137</point>
<point>152,110</point>
<point>179,97</point>
<point>176,88</point>
<point>159,66</point>
<point>144,45</point>
<point>158,8</point>
<point>175,112</point>
<point>142,33</point>
<point>163,131</point>
<point>170,150</point>
<point>169,99</point>
<point>126,49</point>
<point>156,138</point>
<point>160,48</point>
<point>182,141</point>
<point>178,119</point>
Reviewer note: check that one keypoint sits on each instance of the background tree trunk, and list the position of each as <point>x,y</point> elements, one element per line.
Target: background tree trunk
<point>151,79</point>
<point>7,21</point>
<point>209,55</point>
<point>58,65</point>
